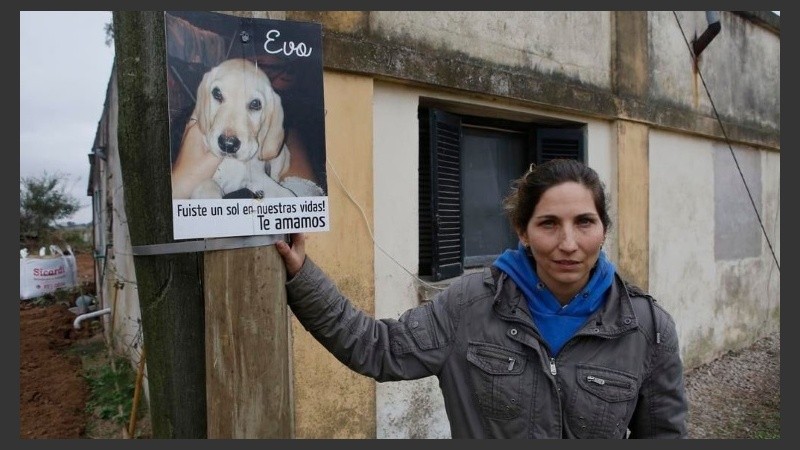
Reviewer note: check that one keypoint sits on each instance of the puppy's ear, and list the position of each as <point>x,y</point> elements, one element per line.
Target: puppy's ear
<point>202,105</point>
<point>270,135</point>
<point>279,165</point>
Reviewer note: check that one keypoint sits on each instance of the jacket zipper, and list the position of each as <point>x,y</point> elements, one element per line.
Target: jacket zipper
<point>511,361</point>
<point>601,382</point>
<point>553,370</point>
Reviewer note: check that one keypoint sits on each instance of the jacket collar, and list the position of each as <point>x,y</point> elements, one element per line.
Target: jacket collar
<point>614,318</point>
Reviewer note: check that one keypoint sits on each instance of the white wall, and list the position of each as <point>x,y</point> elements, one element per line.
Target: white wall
<point>405,409</point>
<point>682,268</point>
<point>126,336</point>
<point>601,155</point>
<point>771,215</point>
<point>717,304</point>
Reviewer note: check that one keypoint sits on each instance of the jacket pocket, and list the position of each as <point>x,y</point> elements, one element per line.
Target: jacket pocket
<point>419,323</point>
<point>601,402</point>
<point>497,376</point>
<point>414,331</point>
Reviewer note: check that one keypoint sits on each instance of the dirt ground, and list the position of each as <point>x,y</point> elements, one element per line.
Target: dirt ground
<point>735,396</point>
<point>53,393</point>
<point>54,358</point>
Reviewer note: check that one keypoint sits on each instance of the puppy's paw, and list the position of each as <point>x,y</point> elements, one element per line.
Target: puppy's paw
<point>302,187</point>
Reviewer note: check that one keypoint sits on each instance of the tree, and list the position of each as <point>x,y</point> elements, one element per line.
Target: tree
<point>109,28</point>
<point>42,201</point>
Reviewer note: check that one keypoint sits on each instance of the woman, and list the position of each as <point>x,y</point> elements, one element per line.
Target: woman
<point>547,343</point>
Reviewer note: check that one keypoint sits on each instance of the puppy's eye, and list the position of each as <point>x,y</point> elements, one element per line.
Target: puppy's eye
<point>255,105</point>
<point>217,94</point>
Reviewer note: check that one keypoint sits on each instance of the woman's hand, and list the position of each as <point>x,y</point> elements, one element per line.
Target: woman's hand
<point>295,255</point>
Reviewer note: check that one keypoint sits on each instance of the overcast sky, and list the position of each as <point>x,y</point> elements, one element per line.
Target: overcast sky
<point>64,67</point>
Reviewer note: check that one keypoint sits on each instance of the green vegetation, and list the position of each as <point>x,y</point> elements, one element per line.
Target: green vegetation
<point>78,237</point>
<point>110,380</point>
<point>766,422</point>
<point>111,385</point>
<point>61,296</point>
<point>771,431</point>
<point>762,420</point>
<point>42,201</point>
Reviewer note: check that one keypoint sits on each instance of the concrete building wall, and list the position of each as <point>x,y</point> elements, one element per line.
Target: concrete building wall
<point>632,201</point>
<point>405,409</point>
<point>741,67</point>
<point>576,44</point>
<point>720,301</point>
<point>682,267</point>
<point>330,400</point>
<point>601,155</point>
<point>123,328</point>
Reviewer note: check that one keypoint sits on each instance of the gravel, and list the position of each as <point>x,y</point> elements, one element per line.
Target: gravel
<point>737,396</point>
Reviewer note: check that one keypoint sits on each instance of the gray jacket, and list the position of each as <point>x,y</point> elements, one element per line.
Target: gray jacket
<point>621,371</point>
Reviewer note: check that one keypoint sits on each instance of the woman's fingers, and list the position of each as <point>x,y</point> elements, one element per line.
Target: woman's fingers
<point>293,255</point>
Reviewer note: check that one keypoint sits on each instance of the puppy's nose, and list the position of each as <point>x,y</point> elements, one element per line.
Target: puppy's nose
<point>229,144</point>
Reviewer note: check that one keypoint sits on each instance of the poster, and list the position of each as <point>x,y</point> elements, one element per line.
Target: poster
<point>247,129</point>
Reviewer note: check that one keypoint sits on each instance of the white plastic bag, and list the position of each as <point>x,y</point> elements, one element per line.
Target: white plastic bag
<point>40,275</point>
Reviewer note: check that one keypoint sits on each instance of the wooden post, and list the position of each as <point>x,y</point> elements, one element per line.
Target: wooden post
<point>247,341</point>
<point>137,393</point>
<point>170,294</point>
<point>247,345</point>
<point>218,352</point>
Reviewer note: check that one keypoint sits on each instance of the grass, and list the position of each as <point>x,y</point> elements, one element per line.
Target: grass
<point>761,421</point>
<point>766,424</point>
<point>111,381</point>
<point>64,296</point>
<point>111,391</point>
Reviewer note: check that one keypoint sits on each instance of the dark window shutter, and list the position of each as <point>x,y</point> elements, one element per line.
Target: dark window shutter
<point>440,227</point>
<point>425,196</point>
<point>559,143</point>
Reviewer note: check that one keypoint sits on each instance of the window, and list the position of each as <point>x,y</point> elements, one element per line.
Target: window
<point>466,165</point>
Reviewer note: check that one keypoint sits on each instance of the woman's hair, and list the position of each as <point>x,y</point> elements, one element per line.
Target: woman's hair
<point>527,190</point>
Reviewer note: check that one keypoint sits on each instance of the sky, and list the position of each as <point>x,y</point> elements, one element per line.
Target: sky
<point>64,70</point>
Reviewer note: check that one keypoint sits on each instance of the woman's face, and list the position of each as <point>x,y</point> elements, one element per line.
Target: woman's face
<point>565,235</point>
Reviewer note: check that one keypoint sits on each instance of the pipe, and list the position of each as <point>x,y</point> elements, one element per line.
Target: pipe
<point>82,317</point>
<point>699,44</point>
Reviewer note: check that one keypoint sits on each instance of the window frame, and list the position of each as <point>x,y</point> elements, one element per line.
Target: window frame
<point>440,131</point>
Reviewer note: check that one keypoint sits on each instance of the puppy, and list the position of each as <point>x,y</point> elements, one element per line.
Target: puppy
<point>235,137</point>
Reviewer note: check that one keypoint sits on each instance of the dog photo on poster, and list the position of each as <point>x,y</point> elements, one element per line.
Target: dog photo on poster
<point>247,125</point>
